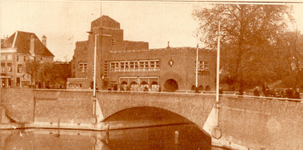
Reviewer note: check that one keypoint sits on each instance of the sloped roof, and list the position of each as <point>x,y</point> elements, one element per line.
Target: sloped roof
<point>21,41</point>
<point>105,21</point>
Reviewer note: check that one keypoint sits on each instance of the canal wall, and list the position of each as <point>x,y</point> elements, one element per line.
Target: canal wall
<point>261,123</point>
<point>256,123</point>
<point>63,106</point>
<point>18,104</point>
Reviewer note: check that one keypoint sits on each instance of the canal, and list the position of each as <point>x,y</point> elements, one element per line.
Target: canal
<point>175,137</point>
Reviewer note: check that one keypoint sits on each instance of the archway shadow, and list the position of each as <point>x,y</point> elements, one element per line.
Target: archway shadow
<point>156,129</point>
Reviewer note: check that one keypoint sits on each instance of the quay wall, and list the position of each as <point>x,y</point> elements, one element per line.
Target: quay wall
<point>261,123</point>
<point>68,106</point>
<point>18,104</point>
<point>256,123</point>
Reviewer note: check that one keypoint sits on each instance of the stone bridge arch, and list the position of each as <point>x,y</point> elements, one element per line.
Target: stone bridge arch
<point>194,107</point>
<point>147,113</point>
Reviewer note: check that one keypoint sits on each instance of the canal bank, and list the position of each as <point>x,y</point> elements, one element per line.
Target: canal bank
<point>254,122</point>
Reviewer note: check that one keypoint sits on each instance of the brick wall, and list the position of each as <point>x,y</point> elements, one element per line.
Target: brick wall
<point>69,106</point>
<point>257,123</point>
<point>18,103</point>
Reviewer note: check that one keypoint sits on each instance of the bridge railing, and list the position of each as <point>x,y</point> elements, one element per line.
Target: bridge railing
<point>180,93</point>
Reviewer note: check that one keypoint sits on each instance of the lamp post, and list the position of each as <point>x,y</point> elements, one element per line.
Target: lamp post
<point>94,82</point>
<point>197,63</point>
<point>218,66</point>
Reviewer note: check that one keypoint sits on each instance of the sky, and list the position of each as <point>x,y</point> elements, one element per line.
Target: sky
<point>66,22</point>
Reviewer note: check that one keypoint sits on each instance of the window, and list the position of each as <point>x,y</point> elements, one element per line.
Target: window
<point>157,64</point>
<point>117,66</point>
<point>113,42</point>
<point>9,67</point>
<point>131,65</point>
<point>152,64</point>
<point>206,66</point>
<point>126,65</point>
<point>105,68</point>
<point>136,65</point>
<point>122,66</point>
<point>17,57</point>
<point>85,50</point>
<point>112,66</point>
<point>3,56</point>
<point>82,67</point>
<point>141,65</point>
<point>24,58</point>
<point>203,66</point>
<point>9,57</point>
<point>3,67</point>
<point>19,69</point>
<point>146,65</point>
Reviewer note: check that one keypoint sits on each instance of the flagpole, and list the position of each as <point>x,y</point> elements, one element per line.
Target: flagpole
<point>197,58</point>
<point>95,61</point>
<point>218,66</point>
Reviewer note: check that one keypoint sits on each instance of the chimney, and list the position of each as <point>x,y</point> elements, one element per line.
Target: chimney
<point>32,45</point>
<point>44,40</point>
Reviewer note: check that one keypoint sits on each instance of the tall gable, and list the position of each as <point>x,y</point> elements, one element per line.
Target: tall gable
<point>8,43</point>
<point>21,41</point>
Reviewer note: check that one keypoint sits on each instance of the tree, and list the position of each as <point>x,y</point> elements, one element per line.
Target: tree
<point>248,36</point>
<point>48,72</point>
<point>291,44</point>
<point>32,68</point>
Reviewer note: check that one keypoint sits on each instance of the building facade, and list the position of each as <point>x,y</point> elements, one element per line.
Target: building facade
<point>131,65</point>
<point>16,50</point>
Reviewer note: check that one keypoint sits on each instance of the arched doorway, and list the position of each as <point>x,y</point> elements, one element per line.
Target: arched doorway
<point>134,86</point>
<point>170,85</point>
<point>193,87</point>
<point>123,86</point>
<point>201,88</point>
<point>207,88</point>
<point>144,86</point>
<point>154,86</point>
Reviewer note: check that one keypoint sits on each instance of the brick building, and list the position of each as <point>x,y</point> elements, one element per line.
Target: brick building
<point>15,51</point>
<point>131,65</point>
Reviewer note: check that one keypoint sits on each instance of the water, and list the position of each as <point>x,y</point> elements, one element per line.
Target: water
<point>175,137</point>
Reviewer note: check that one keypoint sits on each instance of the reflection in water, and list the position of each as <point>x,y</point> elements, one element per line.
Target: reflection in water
<point>186,136</point>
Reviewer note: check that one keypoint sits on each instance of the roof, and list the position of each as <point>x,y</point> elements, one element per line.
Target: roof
<point>105,21</point>
<point>21,41</point>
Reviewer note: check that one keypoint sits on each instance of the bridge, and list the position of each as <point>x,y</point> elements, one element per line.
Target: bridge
<point>246,122</point>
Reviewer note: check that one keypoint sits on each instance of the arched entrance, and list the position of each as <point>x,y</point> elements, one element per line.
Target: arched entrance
<point>170,85</point>
<point>201,88</point>
<point>134,86</point>
<point>207,88</point>
<point>123,86</point>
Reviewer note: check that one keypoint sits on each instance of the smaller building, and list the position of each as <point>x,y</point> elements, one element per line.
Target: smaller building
<point>16,50</point>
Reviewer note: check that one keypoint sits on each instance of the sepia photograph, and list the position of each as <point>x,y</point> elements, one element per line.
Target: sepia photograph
<point>151,75</point>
